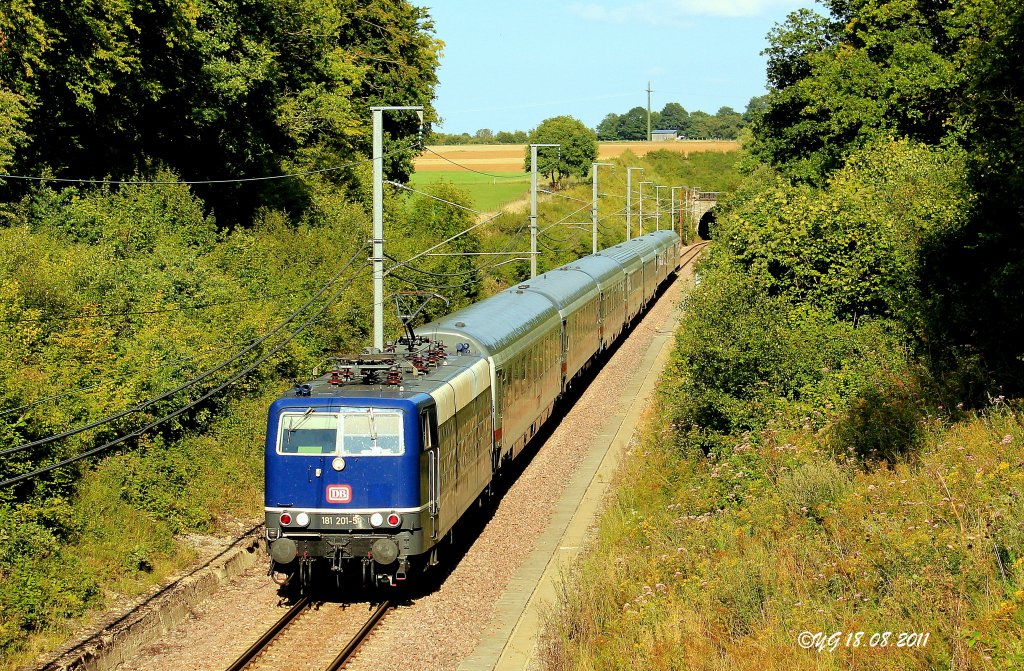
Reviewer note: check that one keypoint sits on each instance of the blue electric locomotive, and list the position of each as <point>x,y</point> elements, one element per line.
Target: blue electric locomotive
<point>370,465</point>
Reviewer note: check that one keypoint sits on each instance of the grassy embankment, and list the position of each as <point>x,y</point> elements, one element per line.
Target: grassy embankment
<point>721,563</point>
<point>803,470</point>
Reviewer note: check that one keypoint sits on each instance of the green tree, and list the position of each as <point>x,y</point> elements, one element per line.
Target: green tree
<point>576,151</point>
<point>214,89</point>
<point>673,116</point>
<point>633,124</point>
<point>755,108</point>
<point>725,124</point>
<point>876,69</point>
<point>12,120</point>
<point>608,129</point>
<point>700,124</point>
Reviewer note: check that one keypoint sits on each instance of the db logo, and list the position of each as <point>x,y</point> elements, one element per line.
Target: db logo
<point>339,494</point>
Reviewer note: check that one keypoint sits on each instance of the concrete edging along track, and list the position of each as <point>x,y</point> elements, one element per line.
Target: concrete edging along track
<point>157,613</point>
<point>511,643</point>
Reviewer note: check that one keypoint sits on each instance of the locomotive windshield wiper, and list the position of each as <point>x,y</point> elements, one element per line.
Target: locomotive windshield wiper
<point>295,427</point>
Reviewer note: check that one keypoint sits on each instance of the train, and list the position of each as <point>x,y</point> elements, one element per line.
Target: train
<point>371,465</point>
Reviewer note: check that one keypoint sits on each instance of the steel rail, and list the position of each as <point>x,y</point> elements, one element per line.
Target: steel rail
<point>691,253</point>
<point>265,640</point>
<point>360,636</point>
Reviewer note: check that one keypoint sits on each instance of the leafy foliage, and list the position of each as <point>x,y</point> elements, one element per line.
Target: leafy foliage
<point>215,90</point>
<point>577,148</point>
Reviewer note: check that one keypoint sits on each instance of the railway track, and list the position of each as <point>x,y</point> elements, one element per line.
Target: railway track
<point>690,253</point>
<point>274,640</point>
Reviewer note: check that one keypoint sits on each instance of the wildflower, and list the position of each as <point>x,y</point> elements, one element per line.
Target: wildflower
<point>1007,439</point>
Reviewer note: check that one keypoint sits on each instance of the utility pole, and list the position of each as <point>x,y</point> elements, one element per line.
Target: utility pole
<point>657,206</point>
<point>649,92</point>
<point>672,195</point>
<point>642,206</point>
<point>378,219</point>
<point>533,206</point>
<point>593,210</point>
<point>629,201</point>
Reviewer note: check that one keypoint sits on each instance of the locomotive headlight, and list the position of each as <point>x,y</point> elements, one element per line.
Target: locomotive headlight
<point>376,519</point>
<point>302,519</point>
<point>338,464</point>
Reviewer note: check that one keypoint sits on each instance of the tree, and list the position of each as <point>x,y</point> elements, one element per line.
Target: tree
<point>576,151</point>
<point>214,89</point>
<point>12,120</point>
<point>633,124</point>
<point>755,108</point>
<point>726,124</point>
<point>700,123</point>
<point>878,70</point>
<point>675,117</point>
<point>608,129</point>
<point>484,135</point>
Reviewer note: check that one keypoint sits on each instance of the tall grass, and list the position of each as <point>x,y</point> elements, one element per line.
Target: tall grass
<point>677,579</point>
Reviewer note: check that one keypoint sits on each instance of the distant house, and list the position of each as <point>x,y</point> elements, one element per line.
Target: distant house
<point>664,136</point>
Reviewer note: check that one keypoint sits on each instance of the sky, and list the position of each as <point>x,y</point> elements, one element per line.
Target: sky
<point>508,65</point>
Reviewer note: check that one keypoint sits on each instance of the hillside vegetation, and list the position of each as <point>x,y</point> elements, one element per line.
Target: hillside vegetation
<point>836,447</point>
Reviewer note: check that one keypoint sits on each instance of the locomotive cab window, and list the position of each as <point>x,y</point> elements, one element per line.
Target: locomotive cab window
<point>371,433</point>
<point>355,433</point>
<point>308,433</point>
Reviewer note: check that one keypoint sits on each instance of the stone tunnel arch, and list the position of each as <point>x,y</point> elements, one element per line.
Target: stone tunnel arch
<point>704,225</point>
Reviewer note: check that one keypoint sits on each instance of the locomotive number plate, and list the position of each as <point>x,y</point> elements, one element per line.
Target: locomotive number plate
<point>341,520</point>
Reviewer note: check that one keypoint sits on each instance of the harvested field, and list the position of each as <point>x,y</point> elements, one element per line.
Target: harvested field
<point>509,157</point>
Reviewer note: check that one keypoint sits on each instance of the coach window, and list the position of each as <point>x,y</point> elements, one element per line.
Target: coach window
<point>310,432</point>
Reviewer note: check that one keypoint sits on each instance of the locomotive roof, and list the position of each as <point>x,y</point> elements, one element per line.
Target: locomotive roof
<point>321,387</point>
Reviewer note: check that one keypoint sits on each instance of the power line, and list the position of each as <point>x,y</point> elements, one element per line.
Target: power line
<point>236,180</point>
<point>479,172</point>
<point>483,269</point>
<point>133,313</point>
<point>432,196</point>
<point>234,378</point>
<point>574,212</point>
<point>193,381</point>
<point>82,390</point>
<point>561,195</point>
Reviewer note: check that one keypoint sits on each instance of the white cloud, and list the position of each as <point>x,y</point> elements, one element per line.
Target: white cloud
<point>675,11</point>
